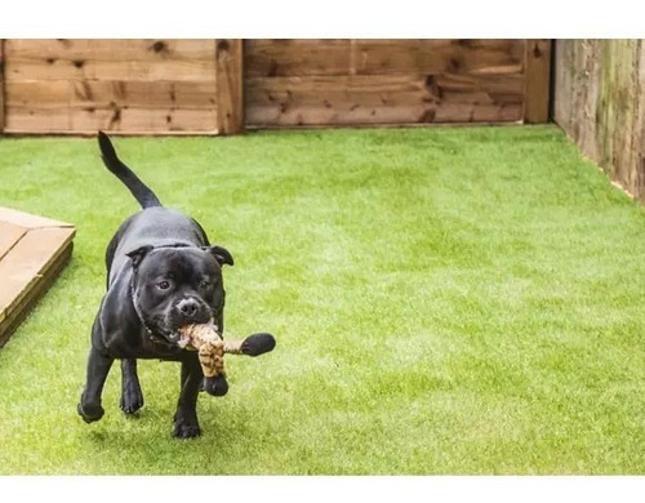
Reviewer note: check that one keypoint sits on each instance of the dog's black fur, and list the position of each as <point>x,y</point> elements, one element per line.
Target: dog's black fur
<point>162,273</point>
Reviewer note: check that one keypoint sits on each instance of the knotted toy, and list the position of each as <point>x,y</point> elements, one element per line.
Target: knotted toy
<point>206,340</point>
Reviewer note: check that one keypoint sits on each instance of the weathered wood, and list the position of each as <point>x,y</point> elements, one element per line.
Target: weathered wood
<point>537,79</point>
<point>387,99</point>
<point>2,90</point>
<point>600,103</point>
<point>230,85</point>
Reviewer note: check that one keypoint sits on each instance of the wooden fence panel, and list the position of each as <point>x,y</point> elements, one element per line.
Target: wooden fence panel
<point>600,103</point>
<point>221,86</point>
<point>326,82</point>
<point>2,90</point>
<point>132,86</point>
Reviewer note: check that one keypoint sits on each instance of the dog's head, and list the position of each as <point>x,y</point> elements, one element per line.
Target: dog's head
<point>176,286</point>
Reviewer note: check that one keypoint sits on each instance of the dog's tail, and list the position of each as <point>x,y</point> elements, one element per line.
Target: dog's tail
<point>140,190</point>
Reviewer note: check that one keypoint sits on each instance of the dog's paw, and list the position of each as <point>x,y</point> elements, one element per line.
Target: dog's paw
<point>131,400</point>
<point>185,429</point>
<point>89,412</point>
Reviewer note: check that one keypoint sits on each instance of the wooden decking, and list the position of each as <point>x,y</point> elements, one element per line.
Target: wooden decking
<point>33,251</point>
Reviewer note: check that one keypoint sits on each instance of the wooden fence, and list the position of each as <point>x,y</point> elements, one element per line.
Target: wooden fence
<point>222,86</point>
<point>600,103</point>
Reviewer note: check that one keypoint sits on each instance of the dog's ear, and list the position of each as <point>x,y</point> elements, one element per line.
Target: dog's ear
<point>137,255</point>
<point>222,255</point>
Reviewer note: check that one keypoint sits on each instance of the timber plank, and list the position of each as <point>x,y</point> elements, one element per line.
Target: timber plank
<point>111,49</point>
<point>14,317</point>
<point>32,251</point>
<point>105,93</point>
<point>599,102</point>
<point>113,118</point>
<point>229,86</point>
<point>296,57</point>
<point>321,57</point>
<point>387,99</point>
<point>2,89</point>
<point>538,70</point>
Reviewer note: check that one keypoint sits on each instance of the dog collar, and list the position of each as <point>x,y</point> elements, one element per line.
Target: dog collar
<point>151,335</point>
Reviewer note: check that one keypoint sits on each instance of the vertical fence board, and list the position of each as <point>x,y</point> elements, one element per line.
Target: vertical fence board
<point>1,85</point>
<point>538,66</point>
<point>600,103</point>
<point>229,82</point>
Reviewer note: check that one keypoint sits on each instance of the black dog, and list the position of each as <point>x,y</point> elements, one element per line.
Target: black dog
<point>162,273</point>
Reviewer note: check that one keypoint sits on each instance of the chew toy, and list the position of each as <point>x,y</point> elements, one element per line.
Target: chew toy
<point>206,340</point>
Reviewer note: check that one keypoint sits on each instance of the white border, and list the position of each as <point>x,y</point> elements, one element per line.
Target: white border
<point>322,19</point>
<point>324,489</point>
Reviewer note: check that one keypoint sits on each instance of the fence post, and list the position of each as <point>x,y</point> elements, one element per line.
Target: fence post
<point>2,68</point>
<point>537,71</point>
<point>229,82</point>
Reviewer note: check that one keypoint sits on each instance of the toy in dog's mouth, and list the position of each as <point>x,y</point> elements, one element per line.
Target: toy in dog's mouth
<point>205,339</point>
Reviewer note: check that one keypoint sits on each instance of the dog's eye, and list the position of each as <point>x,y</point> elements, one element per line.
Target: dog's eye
<point>163,285</point>
<point>205,283</point>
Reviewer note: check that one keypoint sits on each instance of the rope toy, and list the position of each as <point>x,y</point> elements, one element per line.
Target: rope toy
<point>206,340</point>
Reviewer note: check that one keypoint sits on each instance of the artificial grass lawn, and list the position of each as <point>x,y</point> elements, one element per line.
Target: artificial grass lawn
<point>445,301</point>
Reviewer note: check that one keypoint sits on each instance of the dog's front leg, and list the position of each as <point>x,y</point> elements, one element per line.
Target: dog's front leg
<point>131,394</point>
<point>185,421</point>
<point>98,366</point>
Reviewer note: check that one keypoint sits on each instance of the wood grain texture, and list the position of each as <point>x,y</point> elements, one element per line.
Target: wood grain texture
<point>323,57</point>
<point>230,85</point>
<point>2,87</point>
<point>600,103</point>
<point>386,100</point>
<point>148,86</point>
<point>27,269</point>
<point>537,81</point>
<point>351,82</point>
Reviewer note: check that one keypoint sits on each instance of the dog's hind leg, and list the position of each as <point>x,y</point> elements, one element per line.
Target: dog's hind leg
<point>185,420</point>
<point>98,366</point>
<point>131,394</point>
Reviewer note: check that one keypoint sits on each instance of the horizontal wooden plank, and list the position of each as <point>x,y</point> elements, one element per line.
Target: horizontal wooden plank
<point>384,99</point>
<point>25,263</point>
<point>65,119</point>
<point>111,49</point>
<point>22,69</point>
<point>84,94</point>
<point>280,58</point>
<point>384,57</point>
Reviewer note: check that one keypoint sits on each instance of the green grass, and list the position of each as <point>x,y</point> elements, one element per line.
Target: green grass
<point>444,300</point>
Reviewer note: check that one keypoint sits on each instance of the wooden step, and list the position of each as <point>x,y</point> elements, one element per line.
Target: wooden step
<point>33,252</point>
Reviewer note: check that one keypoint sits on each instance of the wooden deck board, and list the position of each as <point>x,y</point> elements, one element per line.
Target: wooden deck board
<point>33,251</point>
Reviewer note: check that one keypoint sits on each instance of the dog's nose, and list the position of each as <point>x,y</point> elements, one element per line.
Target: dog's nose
<point>188,307</point>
